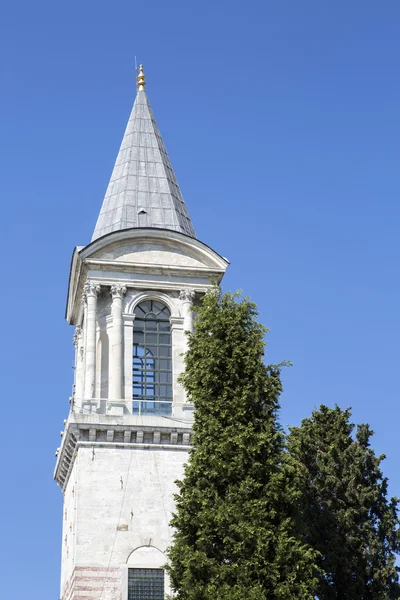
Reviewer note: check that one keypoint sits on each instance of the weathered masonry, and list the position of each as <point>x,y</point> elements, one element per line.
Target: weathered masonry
<point>128,432</point>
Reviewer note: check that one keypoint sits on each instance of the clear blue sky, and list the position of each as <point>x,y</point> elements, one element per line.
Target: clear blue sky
<point>282,123</point>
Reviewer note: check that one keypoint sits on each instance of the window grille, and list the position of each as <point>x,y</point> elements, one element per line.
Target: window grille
<point>152,360</point>
<point>145,584</point>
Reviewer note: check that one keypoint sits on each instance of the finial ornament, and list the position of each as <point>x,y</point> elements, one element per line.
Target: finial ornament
<point>141,82</point>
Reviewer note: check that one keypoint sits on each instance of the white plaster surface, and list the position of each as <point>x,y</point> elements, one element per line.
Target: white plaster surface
<point>118,500</point>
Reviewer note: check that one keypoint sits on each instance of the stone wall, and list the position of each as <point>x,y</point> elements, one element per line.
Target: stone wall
<point>117,500</point>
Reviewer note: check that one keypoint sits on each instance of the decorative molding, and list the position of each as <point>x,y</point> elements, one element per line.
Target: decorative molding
<point>91,290</point>
<point>118,291</point>
<point>151,294</point>
<point>124,265</point>
<point>128,317</point>
<point>110,435</point>
<point>187,295</point>
<point>176,322</point>
<point>77,335</point>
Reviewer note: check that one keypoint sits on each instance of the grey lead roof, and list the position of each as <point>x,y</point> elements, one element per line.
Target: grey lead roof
<point>143,190</point>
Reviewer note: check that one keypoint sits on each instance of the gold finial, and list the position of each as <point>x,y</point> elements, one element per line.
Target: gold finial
<point>141,82</point>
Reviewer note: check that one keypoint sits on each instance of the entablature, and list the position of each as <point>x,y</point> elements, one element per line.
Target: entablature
<point>146,259</point>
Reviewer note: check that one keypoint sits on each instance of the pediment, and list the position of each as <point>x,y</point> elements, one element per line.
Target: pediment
<point>154,248</point>
<point>153,253</point>
<point>145,256</point>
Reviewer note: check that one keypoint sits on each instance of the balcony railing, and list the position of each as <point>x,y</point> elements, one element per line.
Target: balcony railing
<point>137,406</point>
<point>151,407</point>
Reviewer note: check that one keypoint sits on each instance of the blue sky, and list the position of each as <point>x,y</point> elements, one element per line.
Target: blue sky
<point>282,122</point>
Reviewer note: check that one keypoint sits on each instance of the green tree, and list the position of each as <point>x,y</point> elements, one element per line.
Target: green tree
<point>236,530</point>
<point>348,518</point>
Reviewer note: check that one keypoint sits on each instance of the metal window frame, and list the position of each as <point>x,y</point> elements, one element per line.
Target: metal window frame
<point>146,572</point>
<point>150,395</point>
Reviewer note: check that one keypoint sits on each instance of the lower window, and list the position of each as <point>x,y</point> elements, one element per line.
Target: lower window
<point>145,584</point>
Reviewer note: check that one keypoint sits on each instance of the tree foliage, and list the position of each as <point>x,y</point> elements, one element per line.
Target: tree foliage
<point>347,516</point>
<point>236,528</point>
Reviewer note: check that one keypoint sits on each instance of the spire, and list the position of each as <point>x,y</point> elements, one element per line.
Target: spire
<point>143,190</point>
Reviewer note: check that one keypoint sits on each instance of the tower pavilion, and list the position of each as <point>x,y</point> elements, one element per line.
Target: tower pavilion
<point>128,432</point>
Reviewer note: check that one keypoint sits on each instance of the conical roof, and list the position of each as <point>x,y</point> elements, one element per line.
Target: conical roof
<point>143,190</point>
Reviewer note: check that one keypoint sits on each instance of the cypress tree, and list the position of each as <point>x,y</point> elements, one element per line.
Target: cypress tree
<point>235,524</point>
<point>348,517</point>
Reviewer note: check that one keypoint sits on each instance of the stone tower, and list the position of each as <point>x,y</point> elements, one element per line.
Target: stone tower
<point>128,432</point>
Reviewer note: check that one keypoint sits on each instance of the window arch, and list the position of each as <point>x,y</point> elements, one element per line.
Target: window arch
<point>151,360</point>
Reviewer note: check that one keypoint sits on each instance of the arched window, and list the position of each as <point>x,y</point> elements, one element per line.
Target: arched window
<point>152,362</point>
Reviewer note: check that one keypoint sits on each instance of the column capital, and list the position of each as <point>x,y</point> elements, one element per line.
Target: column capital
<point>187,295</point>
<point>117,290</point>
<point>91,290</point>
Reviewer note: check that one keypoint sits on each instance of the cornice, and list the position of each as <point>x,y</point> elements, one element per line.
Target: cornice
<point>135,437</point>
<point>145,268</point>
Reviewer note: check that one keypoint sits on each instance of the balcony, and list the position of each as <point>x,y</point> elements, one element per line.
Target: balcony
<point>138,406</point>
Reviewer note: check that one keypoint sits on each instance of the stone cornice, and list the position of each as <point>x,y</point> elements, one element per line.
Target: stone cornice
<point>120,265</point>
<point>173,436</point>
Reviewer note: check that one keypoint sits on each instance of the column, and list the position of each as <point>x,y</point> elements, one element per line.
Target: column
<point>116,343</point>
<point>187,297</point>
<point>91,291</point>
<point>77,341</point>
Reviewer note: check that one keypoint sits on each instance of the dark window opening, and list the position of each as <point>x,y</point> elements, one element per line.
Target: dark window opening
<point>152,360</point>
<point>145,584</point>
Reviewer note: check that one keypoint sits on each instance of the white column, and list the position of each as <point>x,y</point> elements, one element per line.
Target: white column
<point>116,343</point>
<point>78,343</point>
<point>91,291</point>
<point>127,360</point>
<point>187,297</point>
